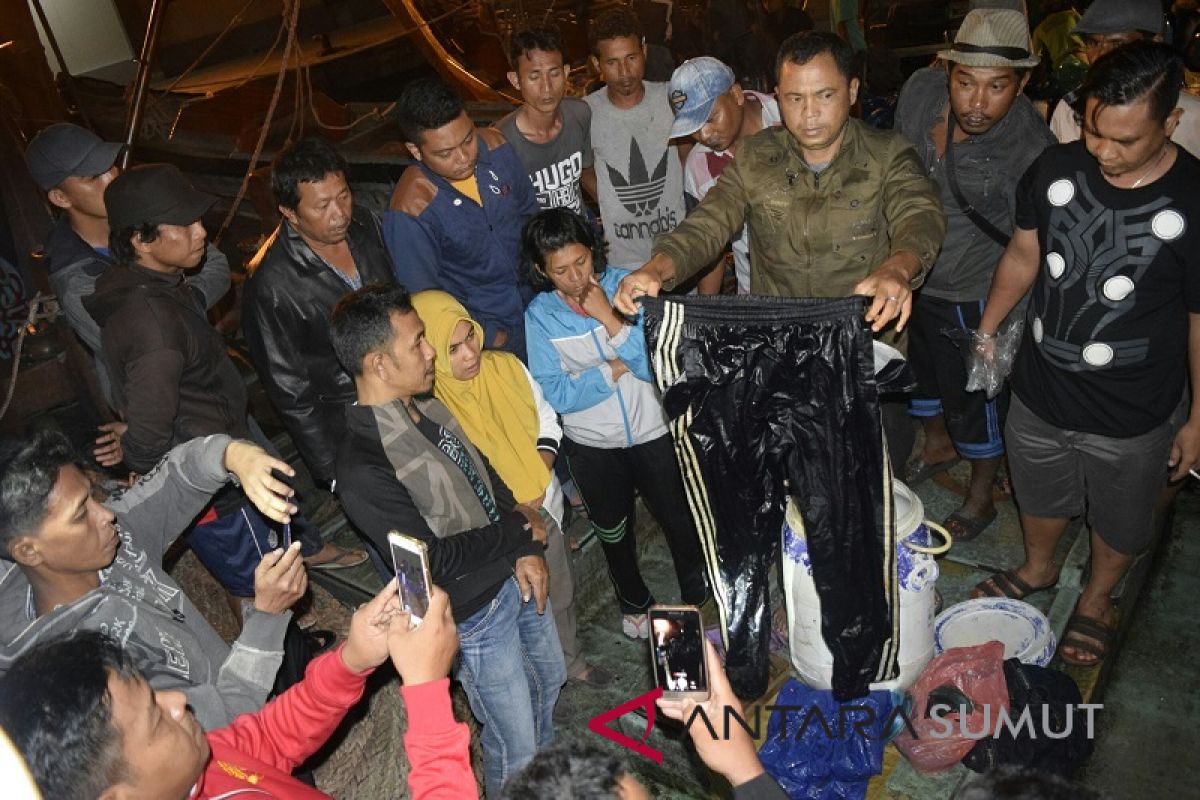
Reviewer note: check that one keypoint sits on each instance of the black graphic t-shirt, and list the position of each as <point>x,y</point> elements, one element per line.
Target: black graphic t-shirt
<point>452,447</point>
<point>1105,343</point>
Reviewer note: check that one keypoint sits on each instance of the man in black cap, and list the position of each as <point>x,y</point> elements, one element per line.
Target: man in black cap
<point>170,374</point>
<point>74,166</point>
<point>1105,26</point>
<point>172,378</point>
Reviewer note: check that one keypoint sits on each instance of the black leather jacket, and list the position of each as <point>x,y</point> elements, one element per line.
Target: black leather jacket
<point>285,316</point>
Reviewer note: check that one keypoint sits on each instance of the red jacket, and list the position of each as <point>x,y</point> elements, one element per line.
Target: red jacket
<point>253,757</point>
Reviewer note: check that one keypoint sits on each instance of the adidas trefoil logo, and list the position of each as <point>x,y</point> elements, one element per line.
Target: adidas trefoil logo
<point>639,193</point>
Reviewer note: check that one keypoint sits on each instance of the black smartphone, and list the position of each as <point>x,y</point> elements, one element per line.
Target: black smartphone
<point>677,651</point>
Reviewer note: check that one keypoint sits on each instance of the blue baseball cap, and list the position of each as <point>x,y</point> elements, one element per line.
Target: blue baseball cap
<point>695,86</point>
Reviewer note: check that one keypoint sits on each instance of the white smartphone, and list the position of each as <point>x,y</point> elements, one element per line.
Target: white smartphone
<point>677,651</point>
<point>410,559</point>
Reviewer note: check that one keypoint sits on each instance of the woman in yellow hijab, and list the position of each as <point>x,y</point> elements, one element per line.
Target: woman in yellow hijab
<point>501,409</point>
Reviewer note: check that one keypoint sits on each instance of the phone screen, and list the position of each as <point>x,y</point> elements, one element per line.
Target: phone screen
<point>677,648</point>
<point>410,577</point>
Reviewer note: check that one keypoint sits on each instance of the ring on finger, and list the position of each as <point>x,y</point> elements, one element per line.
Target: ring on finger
<point>891,298</point>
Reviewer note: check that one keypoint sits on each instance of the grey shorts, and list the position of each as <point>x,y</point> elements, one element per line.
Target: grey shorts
<point>1061,473</point>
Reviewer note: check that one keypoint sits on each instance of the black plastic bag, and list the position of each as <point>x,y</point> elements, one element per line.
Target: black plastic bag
<point>1052,701</point>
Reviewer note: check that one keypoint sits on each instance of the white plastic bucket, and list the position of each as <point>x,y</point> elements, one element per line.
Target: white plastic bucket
<point>916,570</point>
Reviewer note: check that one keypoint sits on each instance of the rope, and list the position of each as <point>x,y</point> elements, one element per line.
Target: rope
<point>288,49</point>
<point>374,113</point>
<point>208,50</point>
<point>33,317</point>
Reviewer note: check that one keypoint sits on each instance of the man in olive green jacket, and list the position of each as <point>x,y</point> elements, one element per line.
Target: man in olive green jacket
<point>834,207</point>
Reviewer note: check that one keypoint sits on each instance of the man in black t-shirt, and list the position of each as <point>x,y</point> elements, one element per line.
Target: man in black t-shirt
<point>1106,241</point>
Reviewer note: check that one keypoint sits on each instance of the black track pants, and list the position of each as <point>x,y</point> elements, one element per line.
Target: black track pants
<point>769,397</point>
<point>607,479</point>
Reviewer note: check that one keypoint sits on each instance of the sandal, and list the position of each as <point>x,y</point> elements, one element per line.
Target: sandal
<point>1009,584</point>
<point>919,470</point>
<point>964,527</point>
<point>320,639</point>
<point>635,626</point>
<point>1090,635</point>
<point>343,559</point>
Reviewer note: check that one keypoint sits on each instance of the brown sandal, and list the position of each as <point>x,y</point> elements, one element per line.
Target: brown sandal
<point>1009,584</point>
<point>1090,635</point>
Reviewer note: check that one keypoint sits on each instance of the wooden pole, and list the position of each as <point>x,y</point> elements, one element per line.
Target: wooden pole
<point>145,60</point>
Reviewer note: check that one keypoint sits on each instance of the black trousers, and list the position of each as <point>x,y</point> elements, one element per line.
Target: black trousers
<point>769,397</point>
<point>607,479</point>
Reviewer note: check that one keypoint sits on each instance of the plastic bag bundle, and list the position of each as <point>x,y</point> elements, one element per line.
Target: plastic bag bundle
<point>822,749</point>
<point>957,698</point>
<point>989,357</point>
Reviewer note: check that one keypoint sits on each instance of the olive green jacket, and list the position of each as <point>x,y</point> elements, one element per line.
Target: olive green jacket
<point>814,235</point>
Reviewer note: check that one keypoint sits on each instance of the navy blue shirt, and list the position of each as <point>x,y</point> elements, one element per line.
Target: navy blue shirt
<point>451,243</point>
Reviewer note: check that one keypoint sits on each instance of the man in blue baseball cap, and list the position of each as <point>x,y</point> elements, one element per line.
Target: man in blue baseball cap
<point>712,108</point>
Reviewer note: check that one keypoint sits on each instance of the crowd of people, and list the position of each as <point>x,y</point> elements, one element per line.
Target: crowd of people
<point>449,366</point>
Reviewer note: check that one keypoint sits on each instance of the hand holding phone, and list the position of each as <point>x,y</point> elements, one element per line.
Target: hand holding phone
<point>367,640</point>
<point>426,653</point>
<point>410,560</point>
<point>677,652</point>
<point>280,580</point>
<point>734,754</point>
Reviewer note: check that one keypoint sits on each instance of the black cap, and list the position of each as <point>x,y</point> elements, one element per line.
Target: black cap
<point>64,150</point>
<point>153,194</point>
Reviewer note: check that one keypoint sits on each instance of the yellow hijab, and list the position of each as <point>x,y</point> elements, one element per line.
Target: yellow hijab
<point>496,407</point>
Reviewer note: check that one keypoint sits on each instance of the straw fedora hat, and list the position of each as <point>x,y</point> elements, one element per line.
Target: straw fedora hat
<point>992,37</point>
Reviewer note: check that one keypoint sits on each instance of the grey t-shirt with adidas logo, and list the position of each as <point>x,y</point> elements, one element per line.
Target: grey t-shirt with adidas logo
<point>639,178</point>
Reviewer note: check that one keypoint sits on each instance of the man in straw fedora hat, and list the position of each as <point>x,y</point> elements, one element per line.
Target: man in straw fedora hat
<point>976,134</point>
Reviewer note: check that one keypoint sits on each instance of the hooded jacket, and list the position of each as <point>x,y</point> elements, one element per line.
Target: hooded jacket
<point>286,305</point>
<point>568,356</point>
<point>141,605</point>
<point>74,267</point>
<point>171,376</point>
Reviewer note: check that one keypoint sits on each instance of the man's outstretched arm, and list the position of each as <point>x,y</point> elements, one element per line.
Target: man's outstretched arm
<point>437,745</point>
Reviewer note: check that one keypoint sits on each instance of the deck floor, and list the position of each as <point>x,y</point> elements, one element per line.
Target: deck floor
<point>1150,691</point>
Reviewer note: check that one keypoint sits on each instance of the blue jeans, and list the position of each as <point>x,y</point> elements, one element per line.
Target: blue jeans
<point>512,690</point>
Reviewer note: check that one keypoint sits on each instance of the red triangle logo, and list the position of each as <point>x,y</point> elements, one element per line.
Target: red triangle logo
<point>598,724</point>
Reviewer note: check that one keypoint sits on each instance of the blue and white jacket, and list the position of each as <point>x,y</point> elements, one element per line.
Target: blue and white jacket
<point>568,357</point>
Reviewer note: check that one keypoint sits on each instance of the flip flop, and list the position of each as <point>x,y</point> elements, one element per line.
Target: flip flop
<point>963,527</point>
<point>1090,635</point>
<point>343,560</point>
<point>1009,584</point>
<point>919,470</point>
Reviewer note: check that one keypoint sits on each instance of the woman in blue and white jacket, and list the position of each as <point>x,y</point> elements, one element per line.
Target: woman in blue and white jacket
<point>593,368</point>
